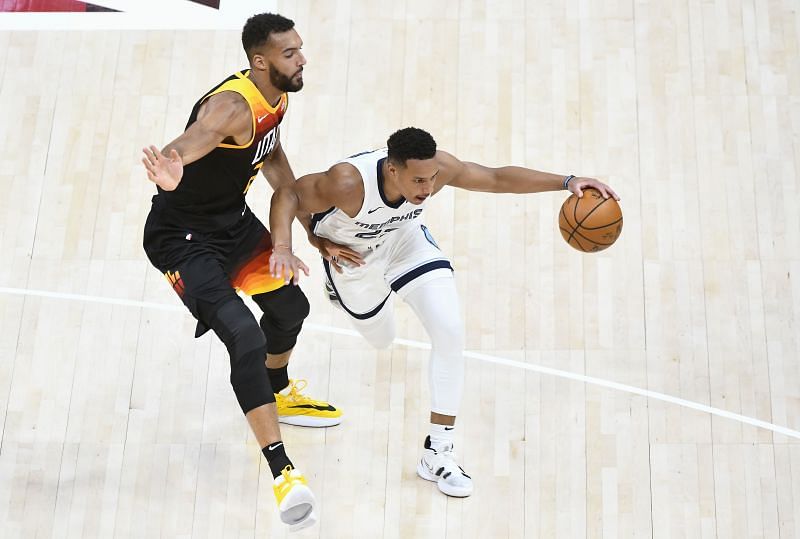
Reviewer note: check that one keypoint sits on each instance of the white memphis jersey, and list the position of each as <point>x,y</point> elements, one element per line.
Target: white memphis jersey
<point>377,220</point>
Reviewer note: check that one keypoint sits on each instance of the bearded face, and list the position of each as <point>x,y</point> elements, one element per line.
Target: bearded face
<point>286,82</point>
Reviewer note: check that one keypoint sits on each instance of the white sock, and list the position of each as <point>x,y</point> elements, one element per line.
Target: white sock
<point>441,435</point>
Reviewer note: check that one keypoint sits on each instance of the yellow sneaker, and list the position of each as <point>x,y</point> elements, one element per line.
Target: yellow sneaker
<point>295,408</point>
<point>295,500</point>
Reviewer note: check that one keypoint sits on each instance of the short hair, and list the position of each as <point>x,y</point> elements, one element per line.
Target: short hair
<point>259,27</point>
<point>410,143</point>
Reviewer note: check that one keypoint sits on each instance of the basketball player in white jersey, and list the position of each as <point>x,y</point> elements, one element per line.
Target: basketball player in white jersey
<point>372,203</point>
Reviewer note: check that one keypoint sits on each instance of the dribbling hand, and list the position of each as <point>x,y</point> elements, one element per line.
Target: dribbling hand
<point>284,265</point>
<point>577,186</point>
<point>165,172</point>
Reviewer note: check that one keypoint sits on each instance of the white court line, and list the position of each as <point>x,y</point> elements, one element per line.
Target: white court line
<point>473,355</point>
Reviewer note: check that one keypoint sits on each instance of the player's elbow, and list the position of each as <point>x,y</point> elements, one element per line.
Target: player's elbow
<point>284,196</point>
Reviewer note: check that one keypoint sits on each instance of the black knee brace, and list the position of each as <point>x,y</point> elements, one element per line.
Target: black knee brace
<point>284,312</point>
<point>235,325</point>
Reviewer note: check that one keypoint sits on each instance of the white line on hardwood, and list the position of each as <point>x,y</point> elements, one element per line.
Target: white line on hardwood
<point>472,355</point>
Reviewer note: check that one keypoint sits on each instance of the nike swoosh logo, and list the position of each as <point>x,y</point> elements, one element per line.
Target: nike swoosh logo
<point>373,211</point>
<point>261,118</point>
<point>449,428</point>
<point>274,446</point>
<point>327,408</point>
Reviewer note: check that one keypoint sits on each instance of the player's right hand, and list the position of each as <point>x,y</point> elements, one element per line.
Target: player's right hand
<point>284,265</point>
<point>577,186</point>
<point>165,172</point>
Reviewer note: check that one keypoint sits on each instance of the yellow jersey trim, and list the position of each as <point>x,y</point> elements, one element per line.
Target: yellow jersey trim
<point>245,88</point>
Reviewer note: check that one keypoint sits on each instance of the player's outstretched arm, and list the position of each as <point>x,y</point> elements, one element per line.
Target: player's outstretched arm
<point>475,177</point>
<point>224,115</point>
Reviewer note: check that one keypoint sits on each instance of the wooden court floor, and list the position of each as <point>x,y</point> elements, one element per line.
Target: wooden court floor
<point>115,422</point>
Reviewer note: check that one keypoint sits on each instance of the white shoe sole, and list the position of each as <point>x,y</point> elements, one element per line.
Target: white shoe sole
<point>300,498</point>
<point>450,490</point>
<point>309,521</point>
<point>309,421</point>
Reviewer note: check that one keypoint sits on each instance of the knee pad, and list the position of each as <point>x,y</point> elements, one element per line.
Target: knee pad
<point>235,325</point>
<point>284,311</point>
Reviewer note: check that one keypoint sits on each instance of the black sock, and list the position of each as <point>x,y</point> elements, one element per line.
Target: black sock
<point>279,378</point>
<point>276,458</point>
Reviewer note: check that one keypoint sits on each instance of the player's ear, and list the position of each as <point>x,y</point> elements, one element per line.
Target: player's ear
<point>257,61</point>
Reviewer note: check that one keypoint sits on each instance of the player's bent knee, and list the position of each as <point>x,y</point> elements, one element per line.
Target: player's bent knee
<point>379,341</point>
<point>379,336</point>
<point>288,304</point>
<point>238,329</point>
<point>284,312</point>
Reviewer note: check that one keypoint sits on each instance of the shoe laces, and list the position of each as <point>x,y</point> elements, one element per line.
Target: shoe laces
<point>287,472</point>
<point>448,453</point>
<point>295,393</point>
<point>447,458</point>
<point>288,480</point>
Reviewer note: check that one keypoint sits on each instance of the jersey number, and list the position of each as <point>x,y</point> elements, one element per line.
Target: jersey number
<point>374,234</point>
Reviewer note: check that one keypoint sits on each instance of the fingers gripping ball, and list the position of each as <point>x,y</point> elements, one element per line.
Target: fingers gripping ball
<point>591,223</point>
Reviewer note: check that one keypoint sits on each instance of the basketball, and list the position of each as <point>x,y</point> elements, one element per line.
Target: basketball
<point>591,223</point>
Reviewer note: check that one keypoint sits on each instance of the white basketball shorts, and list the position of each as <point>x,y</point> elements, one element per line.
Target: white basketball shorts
<point>399,265</point>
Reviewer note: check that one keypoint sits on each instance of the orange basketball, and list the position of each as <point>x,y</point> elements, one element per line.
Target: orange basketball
<point>591,223</point>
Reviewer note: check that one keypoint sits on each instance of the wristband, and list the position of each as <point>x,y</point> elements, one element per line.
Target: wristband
<point>567,179</point>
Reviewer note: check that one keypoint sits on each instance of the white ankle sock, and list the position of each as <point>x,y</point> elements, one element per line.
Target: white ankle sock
<point>441,435</point>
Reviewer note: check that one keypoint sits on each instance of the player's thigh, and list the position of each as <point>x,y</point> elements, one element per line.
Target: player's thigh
<point>361,290</point>
<point>248,259</point>
<point>379,328</point>
<point>414,260</point>
<point>192,263</point>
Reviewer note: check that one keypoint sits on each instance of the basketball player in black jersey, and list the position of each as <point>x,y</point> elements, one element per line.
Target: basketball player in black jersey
<point>201,234</point>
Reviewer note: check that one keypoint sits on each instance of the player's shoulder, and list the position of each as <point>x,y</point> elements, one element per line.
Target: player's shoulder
<point>446,158</point>
<point>227,113</point>
<point>346,177</point>
<point>449,165</point>
<point>228,101</point>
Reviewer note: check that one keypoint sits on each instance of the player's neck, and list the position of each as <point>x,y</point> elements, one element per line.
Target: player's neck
<point>271,94</point>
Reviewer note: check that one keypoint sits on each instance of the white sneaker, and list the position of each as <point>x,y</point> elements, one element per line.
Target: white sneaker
<point>295,500</point>
<point>439,465</point>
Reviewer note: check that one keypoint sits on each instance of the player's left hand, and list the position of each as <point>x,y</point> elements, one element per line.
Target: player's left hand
<point>577,185</point>
<point>284,265</point>
<point>335,253</point>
